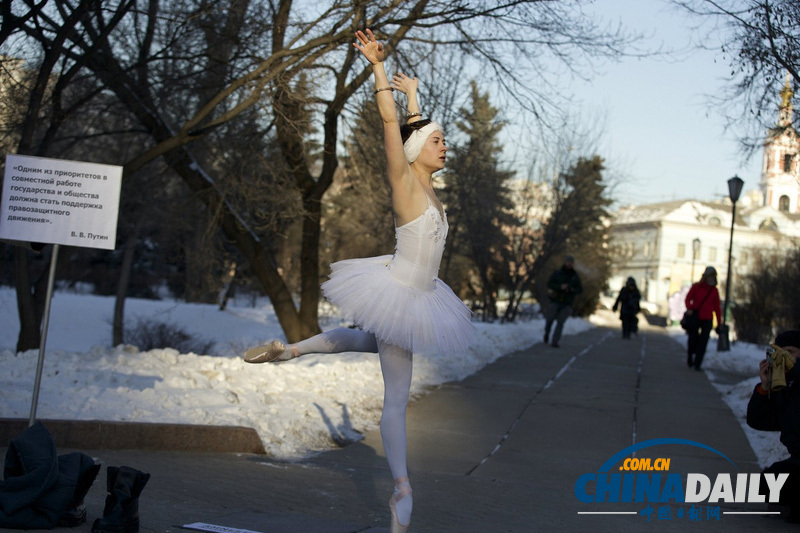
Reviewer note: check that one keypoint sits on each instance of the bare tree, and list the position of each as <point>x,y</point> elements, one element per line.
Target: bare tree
<point>576,226</point>
<point>358,210</point>
<point>532,201</point>
<point>187,71</point>
<point>761,41</point>
<point>47,109</point>
<point>546,204</point>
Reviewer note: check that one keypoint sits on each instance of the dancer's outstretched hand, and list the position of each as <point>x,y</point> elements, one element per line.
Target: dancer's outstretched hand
<point>404,84</point>
<point>370,47</point>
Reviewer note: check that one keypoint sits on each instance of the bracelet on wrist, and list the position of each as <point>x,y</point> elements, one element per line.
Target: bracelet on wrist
<point>412,115</point>
<point>376,91</point>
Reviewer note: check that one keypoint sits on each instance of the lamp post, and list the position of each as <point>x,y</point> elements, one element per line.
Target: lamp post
<point>695,249</point>
<point>734,190</point>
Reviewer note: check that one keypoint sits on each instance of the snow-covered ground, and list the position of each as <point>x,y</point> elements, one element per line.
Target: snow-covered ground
<point>297,408</point>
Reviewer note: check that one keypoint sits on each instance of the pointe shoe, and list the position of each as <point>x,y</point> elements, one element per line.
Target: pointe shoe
<point>401,492</point>
<point>270,353</point>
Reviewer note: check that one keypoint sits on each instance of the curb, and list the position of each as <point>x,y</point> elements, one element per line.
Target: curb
<point>104,435</point>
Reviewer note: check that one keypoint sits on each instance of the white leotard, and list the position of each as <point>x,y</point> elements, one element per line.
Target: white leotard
<point>399,297</point>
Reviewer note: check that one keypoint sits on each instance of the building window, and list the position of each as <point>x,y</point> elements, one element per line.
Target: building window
<point>783,204</point>
<point>712,254</point>
<point>787,162</point>
<point>768,225</point>
<point>681,250</point>
<point>714,221</point>
<point>744,259</point>
<point>647,249</point>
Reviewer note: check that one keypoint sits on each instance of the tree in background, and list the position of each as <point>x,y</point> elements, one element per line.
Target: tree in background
<point>767,299</point>
<point>358,209</point>
<point>761,40</point>
<point>188,73</point>
<point>55,90</point>
<point>477,199</point>
<point>577,226</point>
<point>531,201</point>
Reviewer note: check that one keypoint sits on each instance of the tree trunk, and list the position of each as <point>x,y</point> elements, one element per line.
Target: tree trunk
<point>118,328</point>
<point>29,334</point>
<point>229,286</point>
<point>31,297</point>
<point>309,265</point>
<point>265,267</point>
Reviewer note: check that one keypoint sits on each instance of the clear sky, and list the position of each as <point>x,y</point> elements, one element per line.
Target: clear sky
<point>661,134</point>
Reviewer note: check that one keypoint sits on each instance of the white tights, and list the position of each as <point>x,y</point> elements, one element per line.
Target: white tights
<point>396,367</point>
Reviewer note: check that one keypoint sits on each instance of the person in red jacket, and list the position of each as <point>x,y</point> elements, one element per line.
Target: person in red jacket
<point>702,299</point>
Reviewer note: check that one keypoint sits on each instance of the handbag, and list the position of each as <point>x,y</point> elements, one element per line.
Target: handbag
<point>690,320</point>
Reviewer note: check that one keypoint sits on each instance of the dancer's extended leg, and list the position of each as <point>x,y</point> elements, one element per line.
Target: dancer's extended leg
<point>338,340</point>
<point>333,341</point>
<point>396,367</point>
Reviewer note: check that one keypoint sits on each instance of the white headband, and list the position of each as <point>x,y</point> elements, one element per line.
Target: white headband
<point>415,142</point>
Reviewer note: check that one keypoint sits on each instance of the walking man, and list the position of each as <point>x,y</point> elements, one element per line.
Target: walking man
<point>563,285</point>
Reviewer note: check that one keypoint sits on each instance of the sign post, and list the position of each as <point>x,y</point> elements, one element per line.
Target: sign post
<point>58,202</point>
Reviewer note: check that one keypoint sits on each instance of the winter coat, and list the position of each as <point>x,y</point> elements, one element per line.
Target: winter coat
<point>627,301</point>
<point>699,294</point>
<point>780,411</point>
<point>38,486</point>
<point>559,278</point>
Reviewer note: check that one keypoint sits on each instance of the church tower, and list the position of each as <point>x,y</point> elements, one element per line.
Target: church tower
<point>780,172</point>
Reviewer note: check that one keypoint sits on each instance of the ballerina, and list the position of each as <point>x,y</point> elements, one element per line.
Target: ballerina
<point>397,301</point>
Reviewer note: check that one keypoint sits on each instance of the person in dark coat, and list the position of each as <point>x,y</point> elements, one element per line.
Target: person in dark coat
<point>563,285</point>
<point>702,299</point>
<point>774,406</point>
<point>628,304</point>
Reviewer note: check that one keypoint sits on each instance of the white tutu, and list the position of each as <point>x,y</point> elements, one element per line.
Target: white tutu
<point>418,320</point>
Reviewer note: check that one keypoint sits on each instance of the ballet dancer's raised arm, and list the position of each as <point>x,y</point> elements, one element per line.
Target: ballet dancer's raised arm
<point>408,86</point>
<point>398,172</point>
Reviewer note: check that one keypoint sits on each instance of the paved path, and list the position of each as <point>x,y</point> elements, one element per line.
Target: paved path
<point>498,452</point>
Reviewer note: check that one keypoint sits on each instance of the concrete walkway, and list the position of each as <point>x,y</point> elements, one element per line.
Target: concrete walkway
<point>498,452</point>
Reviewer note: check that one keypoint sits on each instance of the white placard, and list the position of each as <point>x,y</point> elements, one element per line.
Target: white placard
<point>60,202</point>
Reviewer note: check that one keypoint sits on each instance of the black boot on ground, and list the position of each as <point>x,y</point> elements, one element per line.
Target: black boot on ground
<point>75,514</point>
<point>121,512</point>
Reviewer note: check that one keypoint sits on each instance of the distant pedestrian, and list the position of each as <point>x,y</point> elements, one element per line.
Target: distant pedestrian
<point>775,406</point>
<point>703,302</point>
<point>677,305</point>
<point>628,303</point>
<point>563,285</point>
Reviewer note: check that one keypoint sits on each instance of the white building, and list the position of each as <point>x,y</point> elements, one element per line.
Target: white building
<point>666,246</point>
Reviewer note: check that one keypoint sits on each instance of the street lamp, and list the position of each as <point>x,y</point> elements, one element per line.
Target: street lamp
<point>734,190</point>
<point>695,250</point>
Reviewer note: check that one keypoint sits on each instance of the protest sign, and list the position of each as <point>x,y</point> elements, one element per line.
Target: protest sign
<point>60,202</point>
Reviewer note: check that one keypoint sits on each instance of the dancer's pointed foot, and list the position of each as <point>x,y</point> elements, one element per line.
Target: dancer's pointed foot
<point>400,504</point>
<point>272,352</point>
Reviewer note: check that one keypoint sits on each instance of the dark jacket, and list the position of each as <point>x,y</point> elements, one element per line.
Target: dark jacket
<point>780,411</point>
<point>627,301</point>
<point>38,485</point>
<point>560,277</point>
